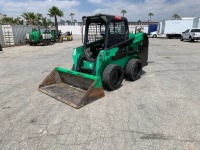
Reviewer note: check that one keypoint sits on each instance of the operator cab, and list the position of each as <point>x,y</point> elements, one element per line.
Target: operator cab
<point>103,32</point>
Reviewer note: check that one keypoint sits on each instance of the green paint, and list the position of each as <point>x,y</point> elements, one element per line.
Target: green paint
<point>88,65</point>
<point>104,57</point>
<point>97,80</point>
<point>76,54</point>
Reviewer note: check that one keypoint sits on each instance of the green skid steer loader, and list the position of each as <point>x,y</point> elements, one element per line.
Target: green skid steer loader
<point>108,55</point>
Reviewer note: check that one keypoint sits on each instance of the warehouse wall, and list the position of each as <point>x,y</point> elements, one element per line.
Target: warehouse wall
<point>77,30</point>
<point>74,29</point>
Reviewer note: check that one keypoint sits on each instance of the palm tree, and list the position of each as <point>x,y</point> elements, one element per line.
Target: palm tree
<point>32,18</point>
<point>18,21</point>
<point>11,21</point>
<point>150,14</point>
<point>7,20</point>
<point>38,17</point>
<point>123,12</point>
<point>176,16</point>
<point>26,17</point>
<point>54,12</point>
<point>46,22</point>
<point>72,14</point>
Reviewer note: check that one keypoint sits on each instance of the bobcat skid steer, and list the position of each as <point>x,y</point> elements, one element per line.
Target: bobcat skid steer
<point>108,55</point>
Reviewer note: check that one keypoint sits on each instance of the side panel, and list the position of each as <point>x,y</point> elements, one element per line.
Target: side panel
<point>2,43</point>
<point>177,26</point>
<point>77,52</point>
<point>152,28</point>
<point>20,33</point>
<point>144,50</point>
<point>138,49</point>
<point>159,27</point>
<point>162,27</point>
<point>195,23</point>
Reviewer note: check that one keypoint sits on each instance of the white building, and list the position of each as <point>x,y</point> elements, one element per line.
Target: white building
<point>2,16</point>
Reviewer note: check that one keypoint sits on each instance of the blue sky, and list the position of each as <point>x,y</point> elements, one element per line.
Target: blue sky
<point>136,9</point>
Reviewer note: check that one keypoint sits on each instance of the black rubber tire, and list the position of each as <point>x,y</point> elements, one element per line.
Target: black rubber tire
<point>112,77</point>
<point>45,43</point>
<point>181,38</point>
<point>190,39</point>
<point>133,69</point>
<point>49,42</point>
<point>154,36</point>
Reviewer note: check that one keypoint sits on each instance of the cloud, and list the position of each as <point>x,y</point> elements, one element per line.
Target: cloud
<point>162,9</point>
<point>15,9</point>
<point>136,9</point>
<point>96,1</point>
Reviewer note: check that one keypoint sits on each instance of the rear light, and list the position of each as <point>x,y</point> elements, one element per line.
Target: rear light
<point>118,18</point>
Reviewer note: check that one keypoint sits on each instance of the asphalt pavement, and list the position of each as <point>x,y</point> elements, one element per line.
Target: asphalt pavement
<point>160,111</point>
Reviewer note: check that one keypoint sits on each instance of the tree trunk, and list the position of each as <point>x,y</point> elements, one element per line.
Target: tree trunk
<point>72,18</point>
<point>56,25</point>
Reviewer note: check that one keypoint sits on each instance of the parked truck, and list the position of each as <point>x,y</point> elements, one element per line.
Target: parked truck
<point>191,35</point>
<point>174,28</point>
<point>152,28</point>
<point>37,36</point>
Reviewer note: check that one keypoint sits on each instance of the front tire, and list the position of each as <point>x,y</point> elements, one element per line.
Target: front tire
<point>181,38</point>
<point>112,77</point>
<point>190,39</point>
<point>133,69</point>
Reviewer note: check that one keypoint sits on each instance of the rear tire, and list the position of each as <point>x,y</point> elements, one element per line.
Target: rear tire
<point>112,77</point>
<point>154,36</point>
<point>45,42</point>
<point>133,69</point>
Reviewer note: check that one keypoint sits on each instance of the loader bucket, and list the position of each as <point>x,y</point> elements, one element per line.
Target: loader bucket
<point>73,88</point>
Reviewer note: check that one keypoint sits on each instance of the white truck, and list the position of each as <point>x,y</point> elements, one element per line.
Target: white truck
<point>174,28</point>
<point>191,35</point>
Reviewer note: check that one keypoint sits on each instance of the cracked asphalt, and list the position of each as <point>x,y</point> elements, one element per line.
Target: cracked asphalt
<point>160,111</point>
